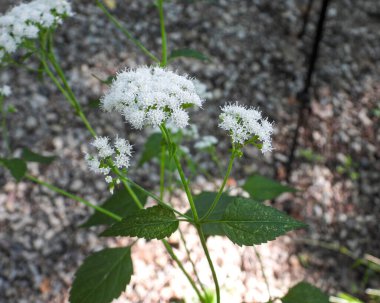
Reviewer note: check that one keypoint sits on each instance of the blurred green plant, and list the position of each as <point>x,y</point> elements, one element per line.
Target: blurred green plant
<point>309,155</point>
<point>348,168</point>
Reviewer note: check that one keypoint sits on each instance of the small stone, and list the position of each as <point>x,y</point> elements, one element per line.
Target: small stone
<point>31,123</point>
<point>76,185</point>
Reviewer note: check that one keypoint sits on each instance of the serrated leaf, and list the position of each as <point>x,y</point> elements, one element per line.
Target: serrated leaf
<point>305,293</point>
<point>247,222</point>
<point>31,156</point>
<point>188,53</point>
<point>154,222</point>
<point>103,276</point>
<point>17,167</point>
<point>120,203</point>
<point>152,148</point>
<point>261,188</point>
<point>203,202</point>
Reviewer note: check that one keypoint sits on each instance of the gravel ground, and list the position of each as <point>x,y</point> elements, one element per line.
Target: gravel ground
<point>257,58</point>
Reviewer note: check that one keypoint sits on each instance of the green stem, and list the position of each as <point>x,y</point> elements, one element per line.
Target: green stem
<point>162,171</point>
<point>126,32</point>
<point>205,249</point>
<point>184,181</point>
<point>185,184</point>
<point>74,103</point>
<point>202,299</point>
<point>179,263</point>
<point>56,82</point>
<point>156,198</point>
<point>127,182</point>
<point>263,272</point>
<point>164,59</point>
<point>220,192</point>
<point>4,127</point>
<point>132,193</point>
<point>75,198</point>
<point>191,260</point>
<point>69,93</point>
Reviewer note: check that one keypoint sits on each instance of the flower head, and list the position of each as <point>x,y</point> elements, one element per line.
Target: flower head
<point>151,96</point>
<point>109,156</point>
<point>246,125</point>
<point>24,21</point>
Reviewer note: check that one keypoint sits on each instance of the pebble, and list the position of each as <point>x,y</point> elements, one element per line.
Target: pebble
<point>76,185</point>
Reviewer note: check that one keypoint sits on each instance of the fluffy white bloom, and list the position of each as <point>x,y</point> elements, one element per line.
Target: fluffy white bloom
<point>24,21</point>
<point>206,142</point>
<point>180,118</point>
<point>244,123</point>
<point>104,149</point>
<point>5,91</point>
<point>120,154</point>
<point>151,96</point>
<point>123,146</point>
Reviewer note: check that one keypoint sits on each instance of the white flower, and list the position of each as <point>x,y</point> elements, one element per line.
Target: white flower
<point>5,91</point>
<point>23,21</point>
<point>123,146</point>
<point>206,142</point>
<point>104,149</point>
<point>120,154</point>
<point>121,160</point>
<point>151,96</point>
<point>244,123</point>
<point>180,118</point>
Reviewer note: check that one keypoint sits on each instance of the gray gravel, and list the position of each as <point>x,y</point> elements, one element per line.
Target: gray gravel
<point>257,58</point>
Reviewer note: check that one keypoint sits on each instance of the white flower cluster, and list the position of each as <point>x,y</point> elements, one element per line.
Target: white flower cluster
<point>151,96</point>
<point>120,153</point>
<point>5,91</point>
<point>245,123</point>
<point>25,21</point>
<point>206,142</point>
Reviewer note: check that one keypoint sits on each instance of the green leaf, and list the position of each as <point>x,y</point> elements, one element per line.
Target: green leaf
<point>120,203</point>
<point>152,148</point>
<point>11,109</point>
<point>31,156</point>
<point>203,202</point>
<point>188,53</point>
<point>305,293</point>
<point>348,298</point>
<point>17,167</point>
<point>103,276</point>
<point>247,222</point>
<point>154,222</point>
<point>261,188</point>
